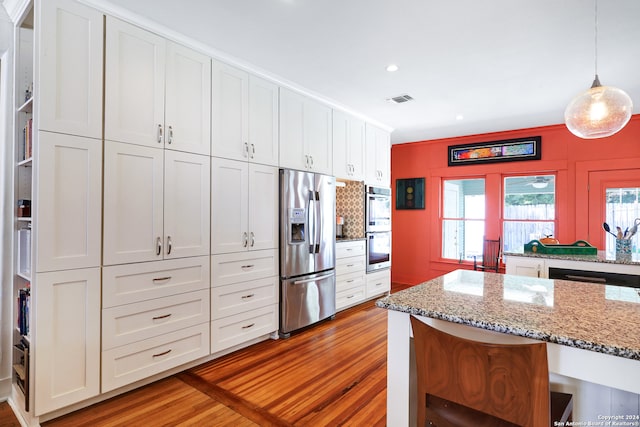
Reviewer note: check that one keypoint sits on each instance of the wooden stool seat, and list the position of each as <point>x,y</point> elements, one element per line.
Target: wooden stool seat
<point>464,383</point>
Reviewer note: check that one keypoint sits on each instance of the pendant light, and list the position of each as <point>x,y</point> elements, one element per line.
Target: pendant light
<point>602,110</point>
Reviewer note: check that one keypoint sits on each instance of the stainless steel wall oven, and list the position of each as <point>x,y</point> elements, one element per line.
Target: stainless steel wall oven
<point>378,228</point>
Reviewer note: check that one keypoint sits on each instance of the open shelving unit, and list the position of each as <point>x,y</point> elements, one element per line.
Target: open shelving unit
<point>23,191</point>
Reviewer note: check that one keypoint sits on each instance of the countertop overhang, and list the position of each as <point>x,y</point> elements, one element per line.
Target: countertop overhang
<point>595,317</point>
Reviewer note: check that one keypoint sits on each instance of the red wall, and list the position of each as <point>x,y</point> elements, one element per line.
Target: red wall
<point>416,233</point>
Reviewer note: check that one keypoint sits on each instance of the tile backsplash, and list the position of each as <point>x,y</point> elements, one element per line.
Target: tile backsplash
<point>350,206</point>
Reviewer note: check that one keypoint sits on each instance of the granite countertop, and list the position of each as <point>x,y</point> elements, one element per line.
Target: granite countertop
<point>600,257</point>
<point>589,316</point>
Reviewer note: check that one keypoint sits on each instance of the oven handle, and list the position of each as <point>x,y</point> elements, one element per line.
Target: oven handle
<point>586,278</point>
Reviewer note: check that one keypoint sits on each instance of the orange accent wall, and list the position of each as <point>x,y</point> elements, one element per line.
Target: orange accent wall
<point>416,233</point>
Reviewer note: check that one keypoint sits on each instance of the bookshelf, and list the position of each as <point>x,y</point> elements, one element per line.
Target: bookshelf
<point>23,191</point>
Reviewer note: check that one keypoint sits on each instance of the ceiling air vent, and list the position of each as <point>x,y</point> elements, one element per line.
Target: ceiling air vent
<point>400,99</point>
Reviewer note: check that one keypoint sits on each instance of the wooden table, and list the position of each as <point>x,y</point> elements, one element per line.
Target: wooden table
<point>592,331</point>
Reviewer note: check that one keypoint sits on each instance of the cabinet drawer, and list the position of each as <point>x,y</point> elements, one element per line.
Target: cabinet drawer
<point>350,281</point>
<point>234,330</point>
<point>378,283</point>
<point>351,265</point>
<point>125,284</point>
<point>349,249</point>
<point>350,297</point>
<point>240,297</point>
<point>133,362</point>
<point>129,323</point>
<point>243,266</point>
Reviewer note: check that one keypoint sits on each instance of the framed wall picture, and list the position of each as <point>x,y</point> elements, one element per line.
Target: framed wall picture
<point>496,151</point>
<point>410,193</point>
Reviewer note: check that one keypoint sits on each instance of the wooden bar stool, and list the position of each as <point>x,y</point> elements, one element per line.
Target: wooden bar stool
<point>465,383</point>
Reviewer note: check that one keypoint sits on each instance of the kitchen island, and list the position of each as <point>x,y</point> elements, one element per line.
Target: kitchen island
<point>592,331</point>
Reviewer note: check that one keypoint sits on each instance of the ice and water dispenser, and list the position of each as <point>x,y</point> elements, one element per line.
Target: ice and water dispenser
<point>297,225</point>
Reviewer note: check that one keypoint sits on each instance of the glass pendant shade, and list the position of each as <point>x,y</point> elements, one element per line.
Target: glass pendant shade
<point>599,112</point>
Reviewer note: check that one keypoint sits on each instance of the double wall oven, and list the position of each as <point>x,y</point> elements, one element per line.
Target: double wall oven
<point>378,228</point>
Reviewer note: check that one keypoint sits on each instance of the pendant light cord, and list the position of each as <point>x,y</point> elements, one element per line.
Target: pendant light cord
<point>596,37</point>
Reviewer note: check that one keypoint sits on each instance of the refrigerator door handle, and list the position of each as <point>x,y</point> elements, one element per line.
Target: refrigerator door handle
<point>300,282</point>
<point>311,221</point>
<point>318,225</point>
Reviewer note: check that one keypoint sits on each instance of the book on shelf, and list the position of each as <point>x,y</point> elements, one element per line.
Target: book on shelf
<point>24,306</point>
<point>27,140</point>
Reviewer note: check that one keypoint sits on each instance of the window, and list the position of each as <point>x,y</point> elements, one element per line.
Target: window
<point>622,210</point>
<point>529,210</point>
<point>462,218</point>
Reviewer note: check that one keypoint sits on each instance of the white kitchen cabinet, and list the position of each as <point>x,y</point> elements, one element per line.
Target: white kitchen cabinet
<point>69,208</point>
<point>156,204</point>
<point>305,133</point>
<point>350,273</point>
<point>244,214</point>
<point>132,283</point>
<point>245,116</point>
<point>67,340</point>
<point>378,156</point>
<point>378,283</point>
<point>522,266</point>
<point>348,146</point>
<point>244,298</point>
<point>70,71</point>
<point>157,93</point>
<point>129,363</point>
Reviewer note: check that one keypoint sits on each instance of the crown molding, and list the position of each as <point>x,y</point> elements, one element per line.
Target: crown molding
<point>15,9</point>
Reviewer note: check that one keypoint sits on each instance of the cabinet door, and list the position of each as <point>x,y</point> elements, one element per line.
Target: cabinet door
<point>318,137</point>
<point>348,146</point>
<point>230,112</point>
<point>263,207</point>
<point>263,121</point>
<point>67,360</point>
<point>522,266</point>
<point>188,100</point>
<point>341,161</point>
<point>133,203</point>
<point>134,85</point>
<point>292,151</point>
<point>186,204</point>
<point>229,206</point>
<point>70,68</point>
<point>378,160</point>
<point>69,208</point>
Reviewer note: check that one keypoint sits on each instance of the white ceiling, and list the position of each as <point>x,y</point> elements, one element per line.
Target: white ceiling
<point>501,64</point>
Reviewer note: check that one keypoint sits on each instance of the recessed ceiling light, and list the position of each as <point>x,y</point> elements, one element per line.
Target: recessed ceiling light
<point>392,67</point>
<point>459,117</point>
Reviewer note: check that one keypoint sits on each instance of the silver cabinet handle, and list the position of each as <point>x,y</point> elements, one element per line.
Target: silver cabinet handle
<point>158,246</point>
<point>161,279</point>
<point>247,267</point>
<point>160,134</point>
<point>253,239</point>
<point>306,161</point>
<point>246,149</point>
<point>249,326</point>
<point>170,134</point>
<point>248,296</point>
<point>245,239</point>
<point>168,245</point>
<point>311,161</point>
<point>253,150</point>
<point>161,317</point>
<point>162,354</point>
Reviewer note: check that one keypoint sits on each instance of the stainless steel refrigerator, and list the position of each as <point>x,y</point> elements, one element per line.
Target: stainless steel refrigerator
<point>307,249</point>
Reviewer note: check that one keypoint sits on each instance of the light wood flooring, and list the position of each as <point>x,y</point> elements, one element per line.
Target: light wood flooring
<point>333,374</point>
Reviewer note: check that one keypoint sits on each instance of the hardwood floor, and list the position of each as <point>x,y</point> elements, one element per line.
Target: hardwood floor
<point>333,374</point>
